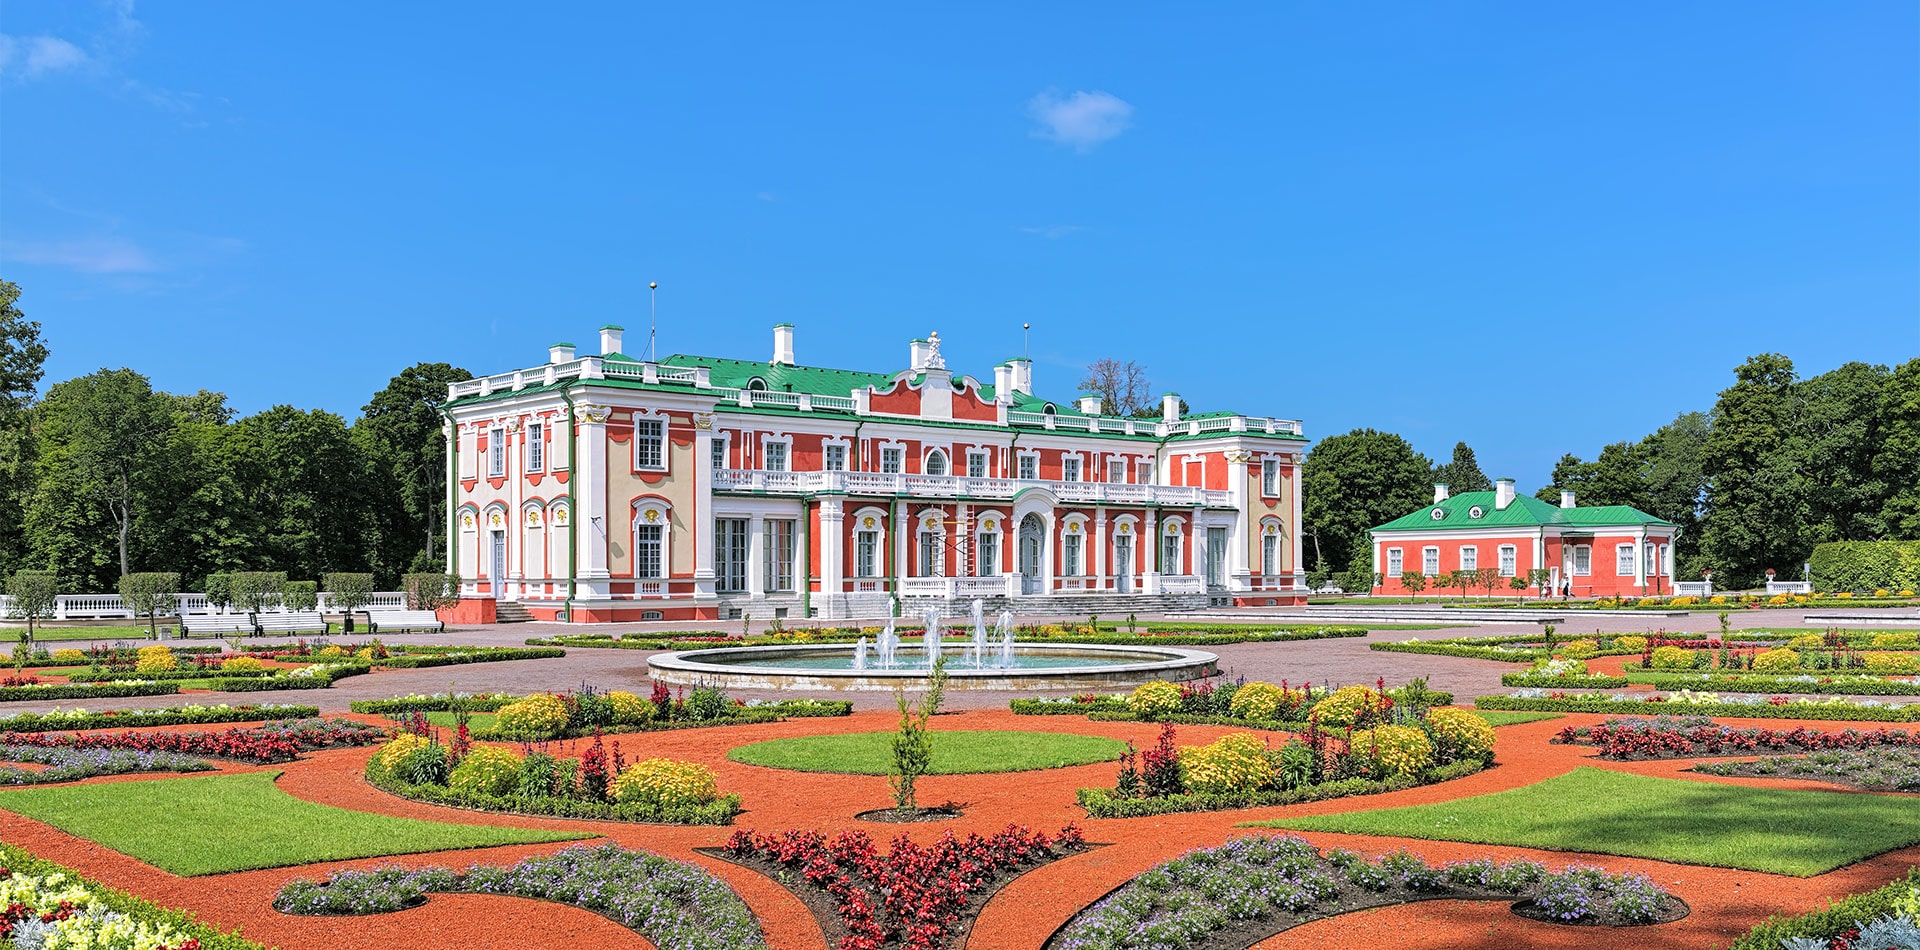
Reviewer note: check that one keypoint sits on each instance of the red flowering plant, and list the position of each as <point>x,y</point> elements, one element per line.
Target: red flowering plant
<point>1666,738</point>
<point>256,744</point>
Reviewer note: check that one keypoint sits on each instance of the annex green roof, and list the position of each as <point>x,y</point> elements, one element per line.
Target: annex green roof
<point>1525,511</point>
<point>813,380</point>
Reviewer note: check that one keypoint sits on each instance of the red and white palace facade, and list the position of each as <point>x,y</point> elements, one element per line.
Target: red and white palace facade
<point>606,488</point>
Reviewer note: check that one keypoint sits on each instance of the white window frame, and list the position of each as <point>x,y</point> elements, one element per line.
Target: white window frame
<point>725,543</point>
<point>1666,559</point>
<point>986,553</point>
<point>1072,554</point>
<point>1027,466</point>
<point>1269,554</point>
<point>1509,560</point>
<point>1396,562</point>
<point>1430,560</point>
<point>979,463</point>
<point>833,457</point>
<point>717,452</point>
<point>1625,558</point>
<point>1169,554</point>
<point>768,455</point>
<point>497,452</point>
<point>657,441</point>
<point>932,561</point>
<point>1650,554</point>
<point>893,460</point>
<point>1116,469</point>
<point>641,543</point>
<point>536,447</point>
<point>867,548</point>
<point>778,536</point>
<point>1469,557</point>
<point>1144,471</point>
<point>1582,560</point>
<point>1076,472</point>
<point>1270,478</point>
<point>927,463</point>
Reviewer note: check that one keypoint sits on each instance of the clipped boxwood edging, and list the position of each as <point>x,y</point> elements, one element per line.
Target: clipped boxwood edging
<point>1837,919</point>
<point>1102,803</point>
<point>20,861</point>
<point>1563,682</point>
<point>740,716</point>
<point>414,661</point>
<point>95,675</point>
<point>130,718</point>
<point>114,690</point>
<point>312,681</point>
<point>720,811</point>
<point>406,704</point>
<point>1846,685</point>
<point>1642,707</point>
<point>1503,654</point>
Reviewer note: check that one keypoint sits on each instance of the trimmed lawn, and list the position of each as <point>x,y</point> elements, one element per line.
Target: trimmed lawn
<point>1502,718</point>
<point>226,823</point>
<point>478,721</point>
<point>1601,812</point>
<point>954,753</point>
<point>47,634</point>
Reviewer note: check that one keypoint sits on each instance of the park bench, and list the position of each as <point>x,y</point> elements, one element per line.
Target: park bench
<point>301,622</point>
<point>215,625</point>
<point>395,621</point>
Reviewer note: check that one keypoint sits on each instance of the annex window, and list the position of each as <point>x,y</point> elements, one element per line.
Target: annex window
<point>976,465</point>
<point>1509,560</point>
<point>1270,478</point>
<point>730,555</point>
<point>1269,554</point>
<point>1623,560</point>
<point>1469,558</point>
<point>1650,556</point>
<point>536,448</point>
<point>1429,561</point>
<point>1582,560</point>
<point>773,456</point>
<point>936,463</point>
<point>496,452</point>
<point>1070,468</point>
<point>1396,562</point>
<point>1030,467</point>
<point>1116,469</point>
<point>1666,558</point>
<point>890,460</point>
<point>649,443</point>
<point>866,554</point>
<point>718,447</point>
<point>834,458</point>
<point>649,554</point>
<point>779,538</point>
<point>1146,471</point>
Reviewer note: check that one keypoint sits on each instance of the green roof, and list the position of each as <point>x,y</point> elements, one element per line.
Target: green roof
<point>813,380</point>
<point>1525,511</point>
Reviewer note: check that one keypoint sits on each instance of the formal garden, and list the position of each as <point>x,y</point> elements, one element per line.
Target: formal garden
<point>1750,788</point>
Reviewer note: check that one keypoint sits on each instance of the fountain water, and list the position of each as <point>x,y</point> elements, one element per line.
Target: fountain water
<point>1005,661</point>
<point>888,645</point>
<point>978,651</point>
<point>860,654</point>
<point>932,617</point>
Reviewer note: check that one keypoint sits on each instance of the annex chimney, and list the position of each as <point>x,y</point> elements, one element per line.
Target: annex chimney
<point>610,339</point>
<point>1566,498</point>
<point>1439,492</point>
<point>560,353</point>
<point>783,344</point>
<point>1502,494</point>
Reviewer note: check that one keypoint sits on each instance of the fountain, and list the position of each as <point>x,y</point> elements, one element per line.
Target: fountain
<point>860,654</point>
<point>931,616</point>
<point>889,644</point>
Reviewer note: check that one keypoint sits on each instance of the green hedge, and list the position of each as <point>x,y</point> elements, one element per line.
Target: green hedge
<point>97,675</point>
<point>1866,565</point>
<point>1102,803</point>
<point>1637,707</point>
<point>1563,682</point>
<point>1837,919</point>
<point>261,685</point>
<point>131,718</point>
<point>1443,648</point>
<point>21,861</point>
<point>1854,685</point>
<point>1042,707</point>
<point>86,691</point>
<point>741,716</point>
<point>405,704</point>
<point>717,812</point>
<point>482,655</point>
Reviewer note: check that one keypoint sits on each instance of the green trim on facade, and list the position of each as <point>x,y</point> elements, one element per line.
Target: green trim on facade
<point>1525,511</point>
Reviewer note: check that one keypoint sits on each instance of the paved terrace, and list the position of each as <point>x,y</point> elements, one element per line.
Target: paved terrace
<point>1338,661</point>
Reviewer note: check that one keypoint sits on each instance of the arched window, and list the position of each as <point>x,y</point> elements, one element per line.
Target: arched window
<point>1170,537</point>
<point>869,542</point>
<point>986,554</point>
<point>936,463</point>
<point>757,385</point>
<point>933,546</point>
<point>652,532</point>
<point>1270,546</point>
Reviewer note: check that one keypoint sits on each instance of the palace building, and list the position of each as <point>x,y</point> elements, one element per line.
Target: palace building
<point>605,488</point>
<point>1596,551</point>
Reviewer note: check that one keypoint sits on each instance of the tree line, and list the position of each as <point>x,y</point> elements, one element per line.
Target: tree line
<point>104,476</point>
<point>1778,465</point>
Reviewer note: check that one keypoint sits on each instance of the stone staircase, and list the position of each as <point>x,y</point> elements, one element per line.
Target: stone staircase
<point>507,611</point>
<point>1109,606</point>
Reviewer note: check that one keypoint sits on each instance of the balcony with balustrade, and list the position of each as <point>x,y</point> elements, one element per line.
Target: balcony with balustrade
<point>960,487</point>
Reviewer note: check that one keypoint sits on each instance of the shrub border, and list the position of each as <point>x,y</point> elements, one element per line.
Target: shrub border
<point>1839,916</point>
<point>1807,711</point>
<point>20,860</point>
<point>720,811</point>
<point>1102,803</point>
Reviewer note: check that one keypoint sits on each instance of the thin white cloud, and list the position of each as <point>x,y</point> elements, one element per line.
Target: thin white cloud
<point>31,57</point>
<point>1081,120</point>
<point>1053,230</point>
<point>96,255</point>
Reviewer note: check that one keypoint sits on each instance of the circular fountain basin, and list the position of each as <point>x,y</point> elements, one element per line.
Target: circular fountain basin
<point>831,667</point>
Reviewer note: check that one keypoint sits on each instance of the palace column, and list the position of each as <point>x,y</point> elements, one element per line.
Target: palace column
<point>590,516</point>
<point>833,536</point>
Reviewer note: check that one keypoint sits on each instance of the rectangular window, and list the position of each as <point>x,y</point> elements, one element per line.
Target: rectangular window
<point>987,558</point>
<point>1069,468</point>
<point>1623,560</point>
<point>1396,561</point>
<point>866,549</point>
<point>1029,467</point>
<point>1651,558</point>
<point>1469,558</point>
<point>730,555</point>
<point>1582,560</point>
<point>779,535</point>
<point>1509,560</point>
<point>649,443</point>
<point>1071,549</point>
<point>834,458</point>
<point>1269,554</point>
<point>496,452</point>
<point>773,456</point>
<point>890,460</point>
<point>1270,478</point>
<point>1116,470</point>
<point>1146,471</point>
<point>1666,557</point>
<point>536,448</point>
<point>976,465</point>
<point>719,454</point>
<point>1429,561</point>
<point>932,555</point>
<point>1169,554</point>
<point>648,556</point>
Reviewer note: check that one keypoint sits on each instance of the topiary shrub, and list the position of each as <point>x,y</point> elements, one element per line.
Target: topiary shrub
<point>630,709</point>
<point>1671,658</point>
<point>1352,706</point>
<point>1394,751</point>
<point>155,659</point>
<point>1154,700</point>
<point>1232,763</point>
<point>540,716</point>
<point>1259,701</point>
<point>241,664</point>
<point>666,783</point>
<point>487,770</point>
<point>1459,735</point>
<point>1777,660</point>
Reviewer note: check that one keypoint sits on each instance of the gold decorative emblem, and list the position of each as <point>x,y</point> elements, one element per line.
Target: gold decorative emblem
<point>652,515</point>
<point>595,414</point>
<point>533,518</point>
<point>1126,528</point>
<point>560,516</point>
<point>1172,528</point>
<point>466,521</point>
<point>495,520</point>
<point>703,420</point>
<point>866,522</point>
<point>987,525</point>
<point>1073,527</point>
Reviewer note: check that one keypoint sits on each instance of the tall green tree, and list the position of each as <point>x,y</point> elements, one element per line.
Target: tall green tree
<point>1463,473</point>
<point>301,485</point>
<point>1836,434</point>
<point>1896,463</point>
<point>1353,482</point>
<point>399,432</point>
<point>23,359</point>
<point>1756,496</point>
<point>99,437</point>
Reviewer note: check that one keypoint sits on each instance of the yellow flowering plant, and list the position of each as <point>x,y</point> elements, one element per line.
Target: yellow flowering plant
<point>1237,762</point>
<point>1633,642</point>
<point>1579,648</point>
<point>1394,751</point>
<point>1154,700</point>
<point>1350,706</point>
<point>666,783</point>
<point>1777,660</point>
<point>398,748</point>
<point>539,716</point>
<point>69,655</point>
<point>155,659</point>
<point>486,769</point>
<point>631,709</point>
<point>1891,663</point>
<point>1458,735</point>
<point>1259,701</point>
<point>1671,658</point>
<point>240,664</point>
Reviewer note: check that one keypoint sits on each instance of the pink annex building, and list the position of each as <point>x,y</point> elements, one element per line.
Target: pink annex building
<point>606,488</point>
<point>1601,551</point>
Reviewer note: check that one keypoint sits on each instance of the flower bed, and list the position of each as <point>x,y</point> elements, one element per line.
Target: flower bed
<point>588,711</point>
<point>1563,681</point>
<point>43,905</point>
<point>437,702</point>
<point>1871,769</point>
<point>1840,926</point>
<point>316,676</point>
<point>1761,682</point>
<point>443,657</point>
<point>676,906</point>
<point>1253,705</point>
<point>1704,704</point>
<point>70,764</point>
<point>911,896</point>
<point>59,719</point>
<point>1666,737</point>
<point>259,745</point>
<point>117,690</point>
<point>1248,889</point>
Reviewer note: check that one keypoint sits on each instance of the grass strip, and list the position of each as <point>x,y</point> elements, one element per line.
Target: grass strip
<point>954,753</point>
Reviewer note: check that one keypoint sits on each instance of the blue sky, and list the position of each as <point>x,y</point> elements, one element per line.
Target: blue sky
<point>1535,227</point>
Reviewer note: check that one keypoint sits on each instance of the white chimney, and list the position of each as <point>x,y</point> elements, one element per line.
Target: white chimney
<point>1090,405</point>
<point>783,344</point>
<point>1566,498</point>
<point>918,353</point>
<point>560,353</point>
<point>1003,383</point>
<point>1439,492</point>
<point>1170,408</point>
<point>1502,494</point>
<point>610,339</point>
<point>1022,375</point>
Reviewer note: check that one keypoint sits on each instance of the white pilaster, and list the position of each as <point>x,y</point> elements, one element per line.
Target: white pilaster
<point>1640,558</point>
<point>756,557</point>
<point>833,535</point>
<point>1101,557</point>
<point>703,508</point>
<point>590,502</point>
